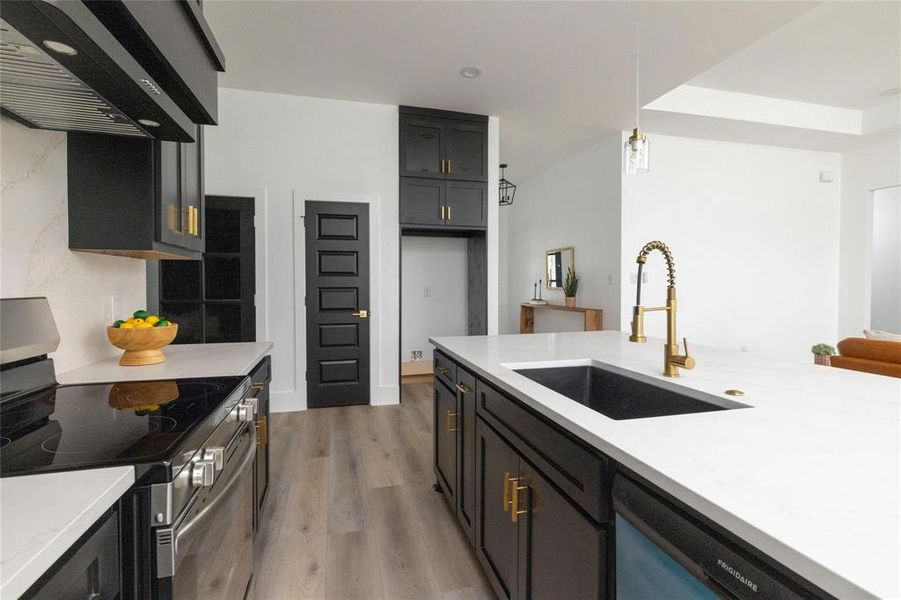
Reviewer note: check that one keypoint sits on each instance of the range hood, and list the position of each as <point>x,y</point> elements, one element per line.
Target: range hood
<point>61,68</point>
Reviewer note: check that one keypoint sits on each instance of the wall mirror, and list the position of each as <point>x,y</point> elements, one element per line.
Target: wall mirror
<point>558,261</point>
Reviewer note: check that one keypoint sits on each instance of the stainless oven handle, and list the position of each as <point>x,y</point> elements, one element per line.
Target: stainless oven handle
<point>168,559</point>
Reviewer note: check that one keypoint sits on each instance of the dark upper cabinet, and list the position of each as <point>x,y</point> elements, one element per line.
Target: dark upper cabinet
<point>173,42</point>
<point>467,204</point>
<point>421,147</point>
<point>466,151</point>
<point>443,204</point>
<point>422,201</point>
<point>443,145</point>
<point>135,197</point>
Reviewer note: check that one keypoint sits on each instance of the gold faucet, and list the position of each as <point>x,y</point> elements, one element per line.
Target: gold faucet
<point>672,360</point>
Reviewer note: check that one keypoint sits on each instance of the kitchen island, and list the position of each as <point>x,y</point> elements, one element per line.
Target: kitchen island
<point>808,474</point>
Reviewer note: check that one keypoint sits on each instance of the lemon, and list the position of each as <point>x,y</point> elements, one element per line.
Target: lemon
<point>143,325</point>
<point>126,325</point>
<point>152,319</point>
<point>136,321</point>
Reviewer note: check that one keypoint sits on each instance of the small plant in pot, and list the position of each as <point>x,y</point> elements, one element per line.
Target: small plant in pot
<point>821,354</point>
<point>570,287</point>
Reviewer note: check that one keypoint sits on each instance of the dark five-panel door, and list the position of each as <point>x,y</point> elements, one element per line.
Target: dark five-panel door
<point>337,301</point>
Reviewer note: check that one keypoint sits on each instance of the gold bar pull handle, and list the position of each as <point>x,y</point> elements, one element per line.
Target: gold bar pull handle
<point>508,481</point>
<point>448,212</point>
<point>451,421</point>
<point>442,212</point>
<point>196,220</point>
<point>442,165</point>
<point>449,166</point>
<point>515,511</point>
<point>463,388</point>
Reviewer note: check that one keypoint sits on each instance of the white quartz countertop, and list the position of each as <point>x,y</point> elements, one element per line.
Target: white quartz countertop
<point>810,475</point>
<point>182,361</point>
<point>41,516</point>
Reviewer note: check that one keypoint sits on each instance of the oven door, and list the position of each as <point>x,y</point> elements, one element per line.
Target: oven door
<point>209,552</point>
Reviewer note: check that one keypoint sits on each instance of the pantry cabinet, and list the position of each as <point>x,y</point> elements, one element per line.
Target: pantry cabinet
<point>136,197</point>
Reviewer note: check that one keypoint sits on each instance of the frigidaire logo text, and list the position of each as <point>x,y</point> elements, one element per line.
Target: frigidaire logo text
<point>735,573</point>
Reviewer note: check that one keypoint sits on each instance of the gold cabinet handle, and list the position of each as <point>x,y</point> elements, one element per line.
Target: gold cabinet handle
<point>196,212</point>
<point>443,209</point>
<point>514,499</point>
<point>448,212</point>
<point>443,370</point>
<point>363,314</point>
<point>442,165</point>
<point>258,386</point>
<point>449,166</point>
<point>186,212</point>
<point>462,387</point>
<point>451,418</point>
<point>507,482</point>
<point>262,425</point>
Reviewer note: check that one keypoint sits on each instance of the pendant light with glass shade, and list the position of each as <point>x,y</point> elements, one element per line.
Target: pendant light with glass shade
<point>636,150</point>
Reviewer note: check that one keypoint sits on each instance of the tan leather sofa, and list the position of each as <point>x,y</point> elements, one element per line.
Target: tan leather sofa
<point>870,356</point>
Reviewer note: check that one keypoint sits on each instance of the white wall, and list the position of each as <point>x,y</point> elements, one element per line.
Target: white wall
<point>574,203</point>
<point>863,170</point>
<point>291,149</point>
<point>886,300</point>
<point>755,237</point>
<point>34,256</point>
<point>439,264</point>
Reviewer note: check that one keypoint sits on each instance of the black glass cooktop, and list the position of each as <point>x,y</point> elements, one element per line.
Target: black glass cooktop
<point>145,423</point>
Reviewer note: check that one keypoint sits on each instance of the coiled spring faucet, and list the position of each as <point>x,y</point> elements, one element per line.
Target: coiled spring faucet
<point>672,360</point>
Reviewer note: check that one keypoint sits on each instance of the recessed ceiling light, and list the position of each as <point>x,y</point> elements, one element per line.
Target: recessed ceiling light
<point>891,92</point>
<point>148,123</point>
<point>470,72</point>
<point>60,48</point>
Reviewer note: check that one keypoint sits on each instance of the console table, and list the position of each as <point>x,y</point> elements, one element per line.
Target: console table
<point>594,317</point>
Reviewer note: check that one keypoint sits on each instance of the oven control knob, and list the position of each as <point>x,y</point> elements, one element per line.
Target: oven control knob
<point>203,473</point>
<point>215,454</point>
<point>247,410</point>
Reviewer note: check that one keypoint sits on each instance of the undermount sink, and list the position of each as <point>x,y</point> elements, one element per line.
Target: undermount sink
<point>621,397</point>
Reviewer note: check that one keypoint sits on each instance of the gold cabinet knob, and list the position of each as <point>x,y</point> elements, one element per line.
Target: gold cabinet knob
<point>363,314</point>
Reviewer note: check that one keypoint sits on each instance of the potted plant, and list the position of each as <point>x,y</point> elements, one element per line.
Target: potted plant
<point>821,354</point>
<point>570,287</point>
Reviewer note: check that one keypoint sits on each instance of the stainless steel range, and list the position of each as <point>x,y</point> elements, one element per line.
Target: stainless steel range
<point>188,522</point>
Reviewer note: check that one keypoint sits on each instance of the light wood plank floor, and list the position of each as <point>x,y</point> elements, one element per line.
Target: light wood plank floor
<point>351,512</point>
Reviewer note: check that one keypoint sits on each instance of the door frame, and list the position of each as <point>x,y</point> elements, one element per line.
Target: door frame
<point>378,394</point>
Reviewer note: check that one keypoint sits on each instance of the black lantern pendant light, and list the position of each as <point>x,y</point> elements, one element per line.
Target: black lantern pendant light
<point>506,190</point>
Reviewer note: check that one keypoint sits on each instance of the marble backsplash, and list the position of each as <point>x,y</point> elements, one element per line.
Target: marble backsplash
<point>35,259</point>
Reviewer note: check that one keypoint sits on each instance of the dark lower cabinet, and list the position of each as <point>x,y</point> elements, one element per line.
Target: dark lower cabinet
<point>446,441</point>
<point>562,553</point>
<point>260,378</point>
<point>523,491</point>
<point>497,536</point>
<point>90,569</point>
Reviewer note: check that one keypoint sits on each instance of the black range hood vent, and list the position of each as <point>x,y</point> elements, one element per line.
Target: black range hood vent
<point>61,69</point>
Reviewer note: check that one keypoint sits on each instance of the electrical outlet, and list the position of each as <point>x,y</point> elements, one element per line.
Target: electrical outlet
<point>427,292</point>
<point>633,277</point>
<point>609,279</point>
<point>644,277</point>
<point>417,354</point>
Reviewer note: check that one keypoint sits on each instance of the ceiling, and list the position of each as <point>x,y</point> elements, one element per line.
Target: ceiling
<point>558,74</point>
<point>839,54</point>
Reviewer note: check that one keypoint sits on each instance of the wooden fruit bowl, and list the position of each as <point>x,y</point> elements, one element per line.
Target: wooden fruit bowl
<point>142,346</point>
